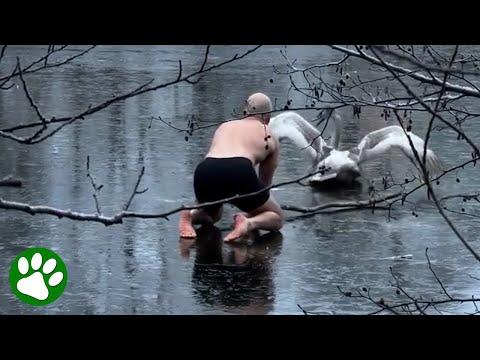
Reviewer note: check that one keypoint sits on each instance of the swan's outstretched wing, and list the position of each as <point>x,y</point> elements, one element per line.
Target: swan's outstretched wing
<point>292,126</point>
<point>326,116</point>
<point>377,143</point>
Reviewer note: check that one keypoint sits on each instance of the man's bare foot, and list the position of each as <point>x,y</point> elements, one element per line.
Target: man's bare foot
<point>234,216</point>
<point>185,226</point>
<point>185,245</point>
<point>240,229</point>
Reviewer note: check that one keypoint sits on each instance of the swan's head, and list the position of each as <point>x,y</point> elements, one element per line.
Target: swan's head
<point>337,164</point>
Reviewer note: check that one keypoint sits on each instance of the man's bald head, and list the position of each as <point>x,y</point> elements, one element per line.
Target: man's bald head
<point>259,103</point>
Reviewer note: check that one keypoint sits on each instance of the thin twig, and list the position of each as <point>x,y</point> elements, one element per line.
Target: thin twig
<point>435,275</point>
<point>135,189</point>
<point>138,91</point>
<point>28,69</point>
<point>427,181</point>
<point>96,188</point>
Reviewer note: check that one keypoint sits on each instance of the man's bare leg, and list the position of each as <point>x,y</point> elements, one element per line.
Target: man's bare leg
<point>185,245</point>
<point>269,216</point>
<point>197,216</point>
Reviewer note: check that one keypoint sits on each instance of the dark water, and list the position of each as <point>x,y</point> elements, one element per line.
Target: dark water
<point>140,267</point>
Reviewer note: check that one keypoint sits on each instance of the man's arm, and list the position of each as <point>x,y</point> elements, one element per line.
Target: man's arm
<point>268,166</point>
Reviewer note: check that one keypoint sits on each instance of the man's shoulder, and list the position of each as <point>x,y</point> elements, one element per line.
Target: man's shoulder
<point>229,123</point>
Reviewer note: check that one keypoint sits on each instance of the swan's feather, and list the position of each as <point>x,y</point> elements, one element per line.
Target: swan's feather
<point>292,126</point>
<point>324,117</point>
<point>377,143</point>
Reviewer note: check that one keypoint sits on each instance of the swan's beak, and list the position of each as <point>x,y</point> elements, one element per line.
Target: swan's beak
<point>319,178</point>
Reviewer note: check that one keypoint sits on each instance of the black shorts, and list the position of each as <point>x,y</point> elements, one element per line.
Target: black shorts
<point>220,178</point>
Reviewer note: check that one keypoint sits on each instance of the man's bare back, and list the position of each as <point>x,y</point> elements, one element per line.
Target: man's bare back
<point>248,138</point>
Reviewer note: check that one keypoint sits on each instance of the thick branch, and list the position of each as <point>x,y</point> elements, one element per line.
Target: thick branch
<point>414,75</point>
<point>341,204</point>
<point>118,218</point>
<point>10,181</point>
<point>416,62</point>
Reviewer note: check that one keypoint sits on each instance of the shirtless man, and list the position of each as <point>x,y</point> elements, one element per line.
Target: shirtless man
<point>229,169</point>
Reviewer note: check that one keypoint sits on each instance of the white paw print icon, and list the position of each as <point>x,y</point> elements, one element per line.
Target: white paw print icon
<point>35,285</point>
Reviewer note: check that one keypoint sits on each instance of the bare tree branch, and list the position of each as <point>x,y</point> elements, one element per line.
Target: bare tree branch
<point>435,110</point>
<point>179,70</point>
<point>135,190</point>
<point>422,165</point>
<point>435,89</point>
<point>138,91</point>
<point>96,189</point>
<point>294,69</point>
<point>28,69</point>
<point>27,93</point>
<point>207,51</point>
<point>417,303</point>
<point>2,52</point>
<point>10,181</point>
<point>422,65</point>
<point>467,196</point>
<point>341,204</point>
<point>435,275</point>
<point>118,217</point>
<point>415,75</point>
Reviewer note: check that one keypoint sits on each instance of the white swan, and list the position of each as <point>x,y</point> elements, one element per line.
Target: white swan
<point>345,166</point>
